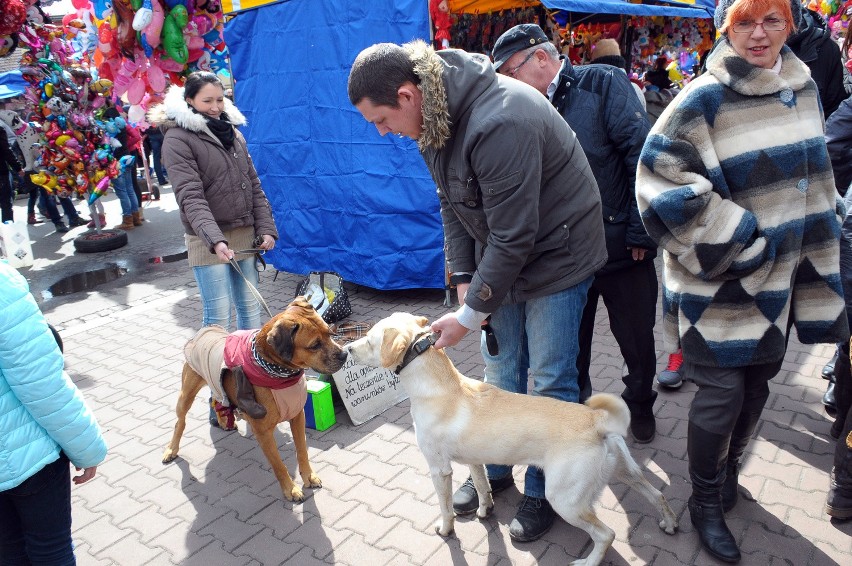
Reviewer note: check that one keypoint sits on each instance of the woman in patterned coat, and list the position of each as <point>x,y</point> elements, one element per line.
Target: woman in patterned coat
<point>736,186</point>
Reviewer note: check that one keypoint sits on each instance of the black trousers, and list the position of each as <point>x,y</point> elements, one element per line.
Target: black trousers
<point>630,297</point>
<point>5,195</point>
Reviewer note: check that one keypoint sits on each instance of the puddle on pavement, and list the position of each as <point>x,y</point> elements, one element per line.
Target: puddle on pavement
<point>169,258</point>
<point>86,281</point>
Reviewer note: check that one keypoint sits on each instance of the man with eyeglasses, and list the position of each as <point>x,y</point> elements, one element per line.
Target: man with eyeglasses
<point>522,222</point>
<point>600,105</point>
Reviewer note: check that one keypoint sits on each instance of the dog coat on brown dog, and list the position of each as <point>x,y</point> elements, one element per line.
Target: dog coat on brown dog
<point>213,351</point>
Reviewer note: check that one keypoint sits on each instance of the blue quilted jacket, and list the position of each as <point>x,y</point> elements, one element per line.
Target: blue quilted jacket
<point>602,108</point>
<point>41,410</point>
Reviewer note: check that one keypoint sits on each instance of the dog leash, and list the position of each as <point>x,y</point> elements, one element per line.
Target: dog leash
<point>255,293</point>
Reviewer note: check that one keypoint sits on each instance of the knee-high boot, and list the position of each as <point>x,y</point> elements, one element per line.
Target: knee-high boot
<point>740,437</point>
<point>838,504</point>
<point>708,453</point>
<point>842,391</point>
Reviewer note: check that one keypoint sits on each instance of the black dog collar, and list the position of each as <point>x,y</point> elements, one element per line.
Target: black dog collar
<point>421,343</point>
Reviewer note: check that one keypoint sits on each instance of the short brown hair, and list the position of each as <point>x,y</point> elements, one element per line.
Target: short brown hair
<point>378,72</point>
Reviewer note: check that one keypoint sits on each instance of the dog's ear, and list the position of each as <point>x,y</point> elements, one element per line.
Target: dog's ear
<point>393,348</point>
<point>282,338</point>
<point>422,321</point>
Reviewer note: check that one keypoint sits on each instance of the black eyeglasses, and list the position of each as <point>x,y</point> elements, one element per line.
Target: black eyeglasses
<point>769,24</point>
<point>524,62</point>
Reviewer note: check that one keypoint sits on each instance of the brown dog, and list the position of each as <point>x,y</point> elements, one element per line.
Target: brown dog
<point>295,339</point>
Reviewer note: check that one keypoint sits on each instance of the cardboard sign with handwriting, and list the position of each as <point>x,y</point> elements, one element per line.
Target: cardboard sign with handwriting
<point>367,391</point>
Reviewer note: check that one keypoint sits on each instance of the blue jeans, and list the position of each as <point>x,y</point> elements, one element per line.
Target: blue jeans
<point>219,285</point>
<point>156,151</point>
<point>123,186</point>
<point>36,518</point>
<point>538,339</point>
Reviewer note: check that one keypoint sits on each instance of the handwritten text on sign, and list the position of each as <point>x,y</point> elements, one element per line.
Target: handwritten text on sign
<point>367,391</point>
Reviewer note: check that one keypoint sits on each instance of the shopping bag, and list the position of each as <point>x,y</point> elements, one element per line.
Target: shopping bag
<point>325,292</point>
<point>15,244</point>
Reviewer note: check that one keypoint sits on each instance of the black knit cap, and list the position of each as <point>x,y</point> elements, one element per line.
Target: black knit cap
<point>723,5</point>
<point>516,39</point>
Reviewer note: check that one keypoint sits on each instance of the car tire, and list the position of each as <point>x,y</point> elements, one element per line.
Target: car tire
<point>93,241</point>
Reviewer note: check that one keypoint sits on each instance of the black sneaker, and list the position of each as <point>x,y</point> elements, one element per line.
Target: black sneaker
<point>78,222</point>
<point>465,500</point>
<point>643,428</point>
<point>61,227</point>
<point>534,518</point>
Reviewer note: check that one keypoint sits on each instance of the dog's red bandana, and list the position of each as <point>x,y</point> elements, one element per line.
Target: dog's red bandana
<point>238,352</point>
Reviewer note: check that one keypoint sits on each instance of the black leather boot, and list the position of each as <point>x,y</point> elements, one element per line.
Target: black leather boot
<point>828,369</point>
<point>245,395</point>
<point>838,503</point>
<point>829,399</point>
<point>842,392</point>
<point>740,437</point>
<point>708,453</point>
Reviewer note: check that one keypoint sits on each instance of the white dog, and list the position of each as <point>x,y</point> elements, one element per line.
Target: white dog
<point>458,419</point>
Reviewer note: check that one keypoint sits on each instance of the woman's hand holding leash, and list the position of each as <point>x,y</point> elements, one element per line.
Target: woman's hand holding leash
<point>268,242</point>
<point>223,251</point>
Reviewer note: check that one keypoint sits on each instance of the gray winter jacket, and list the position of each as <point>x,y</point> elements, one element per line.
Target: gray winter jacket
<point>216,189</point>
<point>519,203</point>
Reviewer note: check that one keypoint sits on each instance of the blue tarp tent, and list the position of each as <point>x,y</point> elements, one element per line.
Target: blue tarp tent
<point>344,198</point>
<point>12,84</point>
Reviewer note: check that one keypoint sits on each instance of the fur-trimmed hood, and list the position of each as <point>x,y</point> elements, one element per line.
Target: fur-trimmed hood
<point>175,112</point>
<point>436,117</point>
<point>469,74</point>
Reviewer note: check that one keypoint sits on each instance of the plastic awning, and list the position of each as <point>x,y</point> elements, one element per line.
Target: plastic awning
<point>701,8</point>
<point>685,9</point>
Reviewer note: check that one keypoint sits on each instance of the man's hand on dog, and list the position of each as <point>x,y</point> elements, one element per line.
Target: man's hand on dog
<point>450,329</point>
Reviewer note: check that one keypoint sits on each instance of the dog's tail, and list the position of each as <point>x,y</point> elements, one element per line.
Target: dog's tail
<point>617,419</point>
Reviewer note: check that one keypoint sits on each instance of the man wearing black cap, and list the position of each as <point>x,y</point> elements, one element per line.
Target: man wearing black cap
<point>522,222</point>
<point>599,104</point>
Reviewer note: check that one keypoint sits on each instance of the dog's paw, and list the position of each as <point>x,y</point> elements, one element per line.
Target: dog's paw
<point>483,512</point>
<point>312,480</point>
<point>444,530</point>
<point>295,495</point>
<point>668,526</point>
<point>169,456</point>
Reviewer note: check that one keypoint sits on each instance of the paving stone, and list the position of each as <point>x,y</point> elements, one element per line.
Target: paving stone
<point>131,551</point>
<point>267,549</point>
<point>320,536</point>
<point>230,531</point>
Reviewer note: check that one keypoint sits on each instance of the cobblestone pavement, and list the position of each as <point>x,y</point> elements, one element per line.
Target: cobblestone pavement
<point>219,503</point>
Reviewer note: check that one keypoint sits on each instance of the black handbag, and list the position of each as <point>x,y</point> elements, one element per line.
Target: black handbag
<point>326,293</point>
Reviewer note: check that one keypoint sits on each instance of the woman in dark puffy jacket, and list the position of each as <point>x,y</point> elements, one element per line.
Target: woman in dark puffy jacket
<point>222,205</point>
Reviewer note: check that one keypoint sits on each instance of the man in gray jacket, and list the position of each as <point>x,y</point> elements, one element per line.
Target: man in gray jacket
<point>522,222</point>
